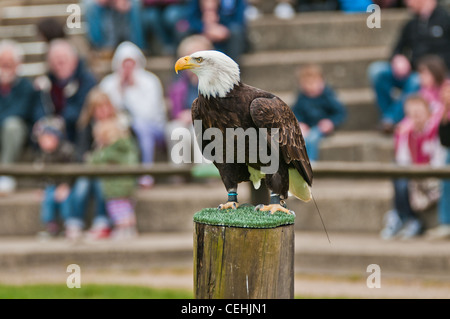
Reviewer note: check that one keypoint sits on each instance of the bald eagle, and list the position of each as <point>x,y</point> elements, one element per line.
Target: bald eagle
<point>225,102</point>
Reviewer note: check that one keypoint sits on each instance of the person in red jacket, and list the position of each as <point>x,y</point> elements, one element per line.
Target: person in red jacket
<point>416,143</point>
<point>442,231</point>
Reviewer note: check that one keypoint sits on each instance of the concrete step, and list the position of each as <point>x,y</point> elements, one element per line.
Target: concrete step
<point>34,52</point>
<point>362,111</point>
<point>9,3</point>
<point>346,255</point>
<point>32,14</point>
<point>345,205</point>
<point>343,68</point>
<point>353,253</point>
<point>358,146</point>
<point>22,33</point>
<point>321,30</point>
<point>28,33</point>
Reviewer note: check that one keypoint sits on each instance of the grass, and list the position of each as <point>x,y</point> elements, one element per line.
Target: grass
<point>94,291</point>
<point>244,216</point>
<point>91,291</point>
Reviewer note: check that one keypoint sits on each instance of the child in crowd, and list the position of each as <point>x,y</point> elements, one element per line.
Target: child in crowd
<point>443,229</point>
<point>317,108</point>
<point>98,107</point>
<point>49,133</point>
<point>416,143</point>
<point>432,74</point>
<point>115,145</point>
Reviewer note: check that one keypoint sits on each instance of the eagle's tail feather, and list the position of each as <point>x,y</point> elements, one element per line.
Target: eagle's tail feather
<point>298,186</point>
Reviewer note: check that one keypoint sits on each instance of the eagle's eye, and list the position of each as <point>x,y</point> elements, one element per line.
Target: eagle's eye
<point>199,59</point>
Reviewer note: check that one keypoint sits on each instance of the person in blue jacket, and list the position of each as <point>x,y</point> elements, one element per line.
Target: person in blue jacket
<point>18,101</point>
<point>316,108</point>
<point>66,86</point>
<point>111,22</point>
<point>222,22</point>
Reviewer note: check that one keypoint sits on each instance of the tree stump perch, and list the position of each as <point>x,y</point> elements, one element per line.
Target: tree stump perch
<point>243,262</point>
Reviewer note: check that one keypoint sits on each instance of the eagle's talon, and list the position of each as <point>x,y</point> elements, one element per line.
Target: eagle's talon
<point>258,207</point>
<point>271,209</point>
<point>229,205</point>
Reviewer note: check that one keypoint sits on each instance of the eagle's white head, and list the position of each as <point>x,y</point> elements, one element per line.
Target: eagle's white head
<point>217,73</point>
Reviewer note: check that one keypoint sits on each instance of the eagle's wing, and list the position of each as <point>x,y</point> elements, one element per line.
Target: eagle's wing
<point>195,110</point>
<point>196,115</point>
<point>274,113</point>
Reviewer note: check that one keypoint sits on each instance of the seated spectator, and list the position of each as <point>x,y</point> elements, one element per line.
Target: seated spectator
<point>183,91</point>
<point>98,107</point>
<point>164,19</point>
<point>222,22</point>
<point>115,145</point>
<point>49,134</point>
<point>316,108</point>
<point>399,72</point>
<point>112,22</point>
<point>416,143</point>
<point>65,87</point>
<point>18,104</point>
<point>442,231</point>
<point>432,74</point>
<point>139,93</point>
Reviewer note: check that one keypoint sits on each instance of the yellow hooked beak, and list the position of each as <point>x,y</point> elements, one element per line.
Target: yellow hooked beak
<point>185,63</point>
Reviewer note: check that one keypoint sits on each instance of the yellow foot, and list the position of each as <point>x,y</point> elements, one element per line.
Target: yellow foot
<point>229,205</point>
<point>274,208</point>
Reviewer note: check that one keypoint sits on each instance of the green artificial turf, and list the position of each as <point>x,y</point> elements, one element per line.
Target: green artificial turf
<point>245,217</point>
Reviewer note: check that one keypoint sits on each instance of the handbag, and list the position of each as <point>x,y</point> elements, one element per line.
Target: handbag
<point>424,193</point>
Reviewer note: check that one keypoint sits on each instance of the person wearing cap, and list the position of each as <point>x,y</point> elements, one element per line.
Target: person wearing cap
<point>53,147</point>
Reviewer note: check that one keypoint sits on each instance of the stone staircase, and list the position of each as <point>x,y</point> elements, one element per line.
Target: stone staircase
<point>341,43</point>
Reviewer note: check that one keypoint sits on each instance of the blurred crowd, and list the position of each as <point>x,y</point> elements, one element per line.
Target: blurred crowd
<point>69,115</point>
<point>412,91</point>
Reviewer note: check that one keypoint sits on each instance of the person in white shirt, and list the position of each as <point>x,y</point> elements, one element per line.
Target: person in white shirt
<point>139,93</point>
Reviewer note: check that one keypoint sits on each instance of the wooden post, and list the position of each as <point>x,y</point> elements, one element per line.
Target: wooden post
<point>243,263</point>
